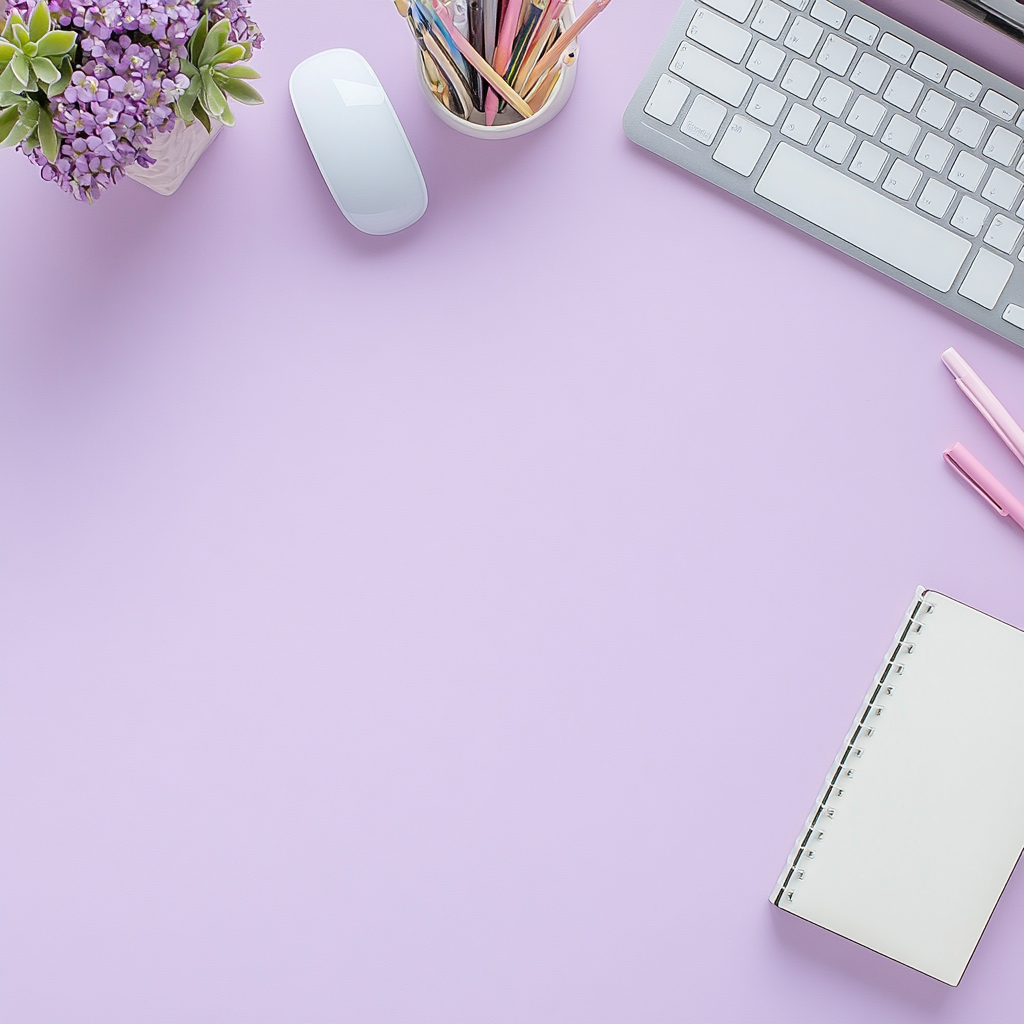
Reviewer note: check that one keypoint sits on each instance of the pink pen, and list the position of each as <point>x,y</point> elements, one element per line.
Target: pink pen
<point>985,402</point>
<point>1005,503</point>
<point>502,53</point>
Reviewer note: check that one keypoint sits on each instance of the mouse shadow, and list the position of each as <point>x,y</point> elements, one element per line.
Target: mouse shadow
<point>800,940</point>
<point>461,173</point>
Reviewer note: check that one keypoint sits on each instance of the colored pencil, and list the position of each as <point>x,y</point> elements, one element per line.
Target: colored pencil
<point>550,59</point>
<point>496,82</point>
<point>503,51</point>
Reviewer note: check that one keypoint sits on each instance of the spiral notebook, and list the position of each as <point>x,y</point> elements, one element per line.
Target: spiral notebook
<point>921,818</point>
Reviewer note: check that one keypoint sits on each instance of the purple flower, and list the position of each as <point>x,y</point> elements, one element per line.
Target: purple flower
<point>125,84</point>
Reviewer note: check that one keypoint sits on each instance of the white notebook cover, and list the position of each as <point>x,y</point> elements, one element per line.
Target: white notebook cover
<point>921,818</point>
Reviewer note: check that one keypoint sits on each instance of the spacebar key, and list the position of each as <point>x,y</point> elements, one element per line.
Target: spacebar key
<point>892,233</point>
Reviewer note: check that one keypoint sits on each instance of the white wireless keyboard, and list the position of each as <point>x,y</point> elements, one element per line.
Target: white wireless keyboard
<point>857,130</point>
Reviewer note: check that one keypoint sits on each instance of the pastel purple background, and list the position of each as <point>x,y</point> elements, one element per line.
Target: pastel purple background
<point>456,627</point>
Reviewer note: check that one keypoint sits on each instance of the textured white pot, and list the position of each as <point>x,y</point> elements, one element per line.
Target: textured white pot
<point>176,153</point>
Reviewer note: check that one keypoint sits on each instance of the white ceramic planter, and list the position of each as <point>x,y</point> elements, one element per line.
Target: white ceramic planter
<point>176,152</point>
<point>557,99</point>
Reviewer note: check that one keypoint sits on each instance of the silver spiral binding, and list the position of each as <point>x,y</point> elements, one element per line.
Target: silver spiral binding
<point>844,767</point>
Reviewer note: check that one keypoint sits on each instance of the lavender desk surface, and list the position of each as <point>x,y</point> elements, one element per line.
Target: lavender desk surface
<point>455,627</point>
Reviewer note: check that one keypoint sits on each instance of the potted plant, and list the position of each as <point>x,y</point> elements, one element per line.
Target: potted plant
<point>93,90</point>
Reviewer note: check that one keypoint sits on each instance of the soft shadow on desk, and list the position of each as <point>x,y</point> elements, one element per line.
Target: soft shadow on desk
<point>826,951</point>
<point>826,251</point>
<point>440,151</point>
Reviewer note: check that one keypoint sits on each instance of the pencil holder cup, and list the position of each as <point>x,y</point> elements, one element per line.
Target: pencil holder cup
<point>557,97</point>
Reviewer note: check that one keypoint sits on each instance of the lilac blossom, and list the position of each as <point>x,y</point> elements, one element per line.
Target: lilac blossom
<point>127,77</point>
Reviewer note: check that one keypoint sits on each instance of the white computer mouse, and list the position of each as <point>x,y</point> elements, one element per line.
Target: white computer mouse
<point>358,142</point>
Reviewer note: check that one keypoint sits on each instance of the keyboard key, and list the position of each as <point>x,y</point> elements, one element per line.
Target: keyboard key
<point>1001,189</point>
<point>799,124</point>
<point>999,105</point>
<point>903,91</point>
<point>1002,146</point>
<point>900,134</point>
<point>738,9</point>
<point>986,279</point>
<point>934,152</point>
<point>1003,233</point>
<point>862,30</point>
<point>835,142</point>
<point>936,198</point>
<point>766,104</point>
<point>902,179</point>
<point>742,145</point>
<point>866,115</point>
<point>800,79</point>
<point>829,13</point>
<point>770,19</point>
<point>803,36</point>
<point>936,109</point>
<point>967,171</point>
<point>870,72</point>
<point>667,99</point>
<point>703,120</point>
<point>970,216</point>
<point>837,55</point>
<point>969,127</point>
<point>907,240</point>
<point>765,60</point>
<point>928,67</point>
<point>899,49</point>
<point>869,161</point>
<point>833,97</point>
<point>719,35</point>
<point>1014,315</point>
<point>963,86</point>
<point>798,4</point>
<point>711,74</point>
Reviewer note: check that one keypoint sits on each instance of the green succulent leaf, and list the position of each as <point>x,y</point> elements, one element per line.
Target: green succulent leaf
<point>13,22</point>
<point>45,70</point>
<point>19,133</point>
<point>202,117</point>
<point>66,70</point>
<point>241,91</point>
<point>215,41</point>
<point>39,21</point>
<point>7,51</point>
<point>21,36</point>
<point>48,137</point>
<point>213,99</point>
<point>229,55</point>
<point>56,44</point>
<point>8,119</point>
<point>20,68</point>
<point>9,81</point>
<point>198,40</point>
<point>239,71</point>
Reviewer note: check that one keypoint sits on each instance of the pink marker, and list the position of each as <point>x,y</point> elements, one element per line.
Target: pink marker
<point>502,53</point>
<point>982,480</point>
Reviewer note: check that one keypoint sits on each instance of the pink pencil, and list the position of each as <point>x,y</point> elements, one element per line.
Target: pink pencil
<point>502,53</point>
<point>550,59</point>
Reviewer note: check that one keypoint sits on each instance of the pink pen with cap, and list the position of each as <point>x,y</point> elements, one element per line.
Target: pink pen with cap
<point>980,478</point>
